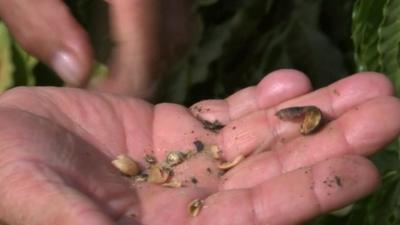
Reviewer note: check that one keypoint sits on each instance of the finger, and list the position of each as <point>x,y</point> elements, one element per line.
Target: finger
<point>275,88</point>
<point>263,130</point>
<point>360,131</point>
<point>294,197</point>
<point>149,35</point>
<point>47,30</point>
<point>134,59</point>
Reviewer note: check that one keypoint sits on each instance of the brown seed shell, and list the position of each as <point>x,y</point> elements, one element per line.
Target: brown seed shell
<point>311,121</point>
<point>150,159</point>
<point>126,165</point>
<point>140,178</point>
<point>189,154</point>
<point>173,184</point>
<point>175,158</point>
<point>291,113</point>
<point>228,165</point>
<point>158,174</point>
<point>195,207</point>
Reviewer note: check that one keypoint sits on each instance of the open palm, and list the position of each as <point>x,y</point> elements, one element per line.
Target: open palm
<point>56,147</point>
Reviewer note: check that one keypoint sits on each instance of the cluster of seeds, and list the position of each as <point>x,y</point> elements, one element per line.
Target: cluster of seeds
<point>162,173</point>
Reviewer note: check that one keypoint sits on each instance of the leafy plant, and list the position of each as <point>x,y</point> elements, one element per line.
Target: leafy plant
<point>244,40</point>
<point>16,66</point>
<point>6,67</point>
<point>376,36</point>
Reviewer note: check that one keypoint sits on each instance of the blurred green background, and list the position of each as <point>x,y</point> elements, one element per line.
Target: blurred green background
<point>240,41</point>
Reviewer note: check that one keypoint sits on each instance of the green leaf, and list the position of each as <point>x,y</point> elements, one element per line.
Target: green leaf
<point>389,40</point>
<point>376,37</point>
<point>382,208</point>
<point>6,64</point>
<point>16,65</point>
<point>24,66</point>
<point>367,16</point>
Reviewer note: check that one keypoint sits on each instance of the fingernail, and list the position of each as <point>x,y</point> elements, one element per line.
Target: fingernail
<point>68,68</point>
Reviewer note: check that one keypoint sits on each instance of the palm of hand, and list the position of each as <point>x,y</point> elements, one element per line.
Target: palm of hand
<point>58,145</point>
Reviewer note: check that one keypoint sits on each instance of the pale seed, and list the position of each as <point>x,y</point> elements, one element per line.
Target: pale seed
<point>173,184</point>
<point>214,152</point>
<point>312,120</point>
<point>150,159</point>
<point>195,207</point>
<point>189,154</point>
<point>228,165</point>
<point>158,175</point>
<point>126,165</point>
<point>141,178</point>
<point>175,158</point>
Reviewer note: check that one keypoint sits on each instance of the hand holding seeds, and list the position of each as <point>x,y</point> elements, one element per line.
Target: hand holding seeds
<point>274,153</point>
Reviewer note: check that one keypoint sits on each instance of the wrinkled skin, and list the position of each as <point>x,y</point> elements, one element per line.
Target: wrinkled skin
<point>147,36</point>
<point>56,145</point>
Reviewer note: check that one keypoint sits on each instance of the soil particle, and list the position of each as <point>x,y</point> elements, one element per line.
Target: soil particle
<point>197,109</point>
<point>336,92</point>
<point>338,181</point>
<point>214,126</point>
<point>199,145</point>
<point>194,180</point>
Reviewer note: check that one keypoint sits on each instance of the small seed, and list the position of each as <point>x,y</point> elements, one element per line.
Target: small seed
<point>173,184</point>
<point>140,178</point>
<point>195,207</point>
<point>312,117</point>
<point>150,159</point>
<point>312,120</point>
<point>189,154</point>
<point>126,165</point>
<point>228,165</point>
<point>158,175</point>
<point>175,158</point>
<point>214,152</point>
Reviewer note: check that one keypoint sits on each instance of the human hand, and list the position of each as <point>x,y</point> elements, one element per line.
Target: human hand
<point>147,35</point>
<point>57,145</point>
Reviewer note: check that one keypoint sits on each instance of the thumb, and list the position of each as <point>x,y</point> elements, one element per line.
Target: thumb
<point>32,193</point>
<point>47,30</point>
<point>137,58</point>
